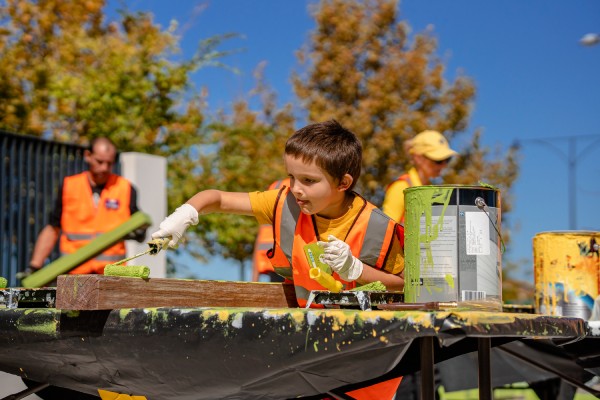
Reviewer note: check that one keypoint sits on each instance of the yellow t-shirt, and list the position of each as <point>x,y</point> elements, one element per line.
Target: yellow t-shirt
<point>263,204</point>
<point>393,203</point>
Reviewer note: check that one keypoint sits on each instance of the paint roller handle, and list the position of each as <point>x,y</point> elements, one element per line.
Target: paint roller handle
<point>158,244</point>
<point>325,280</point>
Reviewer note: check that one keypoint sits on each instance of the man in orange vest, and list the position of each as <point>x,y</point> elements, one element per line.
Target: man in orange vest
<point>261,265</point>
<point>430,153</point>
<point>91,203</point>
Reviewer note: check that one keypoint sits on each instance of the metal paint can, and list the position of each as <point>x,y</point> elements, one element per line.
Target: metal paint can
<point>566,272</point>
<point>453,246</point>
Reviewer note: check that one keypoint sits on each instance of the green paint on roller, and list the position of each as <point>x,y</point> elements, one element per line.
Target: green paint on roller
<point>3,282</point>
<point>132,271</point>
<point>376,286</point>
<point>98,245</point>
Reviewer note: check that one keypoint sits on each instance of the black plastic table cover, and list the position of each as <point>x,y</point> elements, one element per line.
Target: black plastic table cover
<point>234,353</point>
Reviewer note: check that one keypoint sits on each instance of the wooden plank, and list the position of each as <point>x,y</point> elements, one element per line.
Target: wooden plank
<point>66,263</point>
<point>99,292</point>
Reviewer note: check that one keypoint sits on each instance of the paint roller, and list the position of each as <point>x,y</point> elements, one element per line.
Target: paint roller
<point>323,278</point>
<point>133,271</point>
<point>137,271</point>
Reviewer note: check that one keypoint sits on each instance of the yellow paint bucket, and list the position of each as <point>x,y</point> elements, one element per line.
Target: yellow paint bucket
<point>566,272</point>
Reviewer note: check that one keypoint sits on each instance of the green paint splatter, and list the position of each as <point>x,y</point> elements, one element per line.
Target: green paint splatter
<point>376,286</point>
<point>123,312</point>
<point>450,280</point>
<point>487,185</point>
<point>34,321</point>
<point>46,328</point>
<point>418,204</point>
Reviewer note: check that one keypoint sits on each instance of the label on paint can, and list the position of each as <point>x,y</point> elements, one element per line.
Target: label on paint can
<point>477,229</point>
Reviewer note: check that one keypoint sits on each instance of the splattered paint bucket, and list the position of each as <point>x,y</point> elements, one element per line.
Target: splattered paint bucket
<point>566,272</point>
<point>453,246</point>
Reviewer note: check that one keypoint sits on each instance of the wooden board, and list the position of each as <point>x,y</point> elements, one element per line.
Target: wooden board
<point>99,292</point>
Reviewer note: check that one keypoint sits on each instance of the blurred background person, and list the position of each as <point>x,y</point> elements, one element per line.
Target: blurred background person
<point>90,203</point>
<point>429,153</point>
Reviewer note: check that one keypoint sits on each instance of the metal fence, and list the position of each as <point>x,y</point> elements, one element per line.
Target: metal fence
<point>31,171</point>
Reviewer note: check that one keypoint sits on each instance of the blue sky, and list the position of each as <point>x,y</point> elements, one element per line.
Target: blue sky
<point>535,83</point>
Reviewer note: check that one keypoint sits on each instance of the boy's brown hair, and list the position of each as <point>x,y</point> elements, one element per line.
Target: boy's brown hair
<point>334,149</point>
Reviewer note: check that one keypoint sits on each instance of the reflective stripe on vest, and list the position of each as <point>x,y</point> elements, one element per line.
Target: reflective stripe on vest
<point>376,238</point>
<point>264,239</point>
<point>80,236</point>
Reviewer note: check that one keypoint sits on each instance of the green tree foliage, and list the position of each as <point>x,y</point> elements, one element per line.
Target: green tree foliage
<point>362,69</point>
<point>68,75</point>
<point>246,154</point>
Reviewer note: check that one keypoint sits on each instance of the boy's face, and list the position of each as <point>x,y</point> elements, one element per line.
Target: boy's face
<point>316,192</point>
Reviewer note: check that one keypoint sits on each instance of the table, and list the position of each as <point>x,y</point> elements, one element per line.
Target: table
<point>237,352</point>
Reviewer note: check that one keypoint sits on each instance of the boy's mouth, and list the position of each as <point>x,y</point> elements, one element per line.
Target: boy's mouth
<point>301,202</point>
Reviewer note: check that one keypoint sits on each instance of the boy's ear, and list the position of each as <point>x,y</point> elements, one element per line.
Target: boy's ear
<point>345,182</point>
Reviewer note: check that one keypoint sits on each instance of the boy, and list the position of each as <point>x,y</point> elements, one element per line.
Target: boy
<point>323,161</point>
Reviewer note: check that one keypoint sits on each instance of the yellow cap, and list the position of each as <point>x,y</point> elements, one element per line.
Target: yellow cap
<point>432,145</point>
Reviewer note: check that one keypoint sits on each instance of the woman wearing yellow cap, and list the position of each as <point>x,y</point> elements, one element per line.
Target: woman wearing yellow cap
<point>430,154</point>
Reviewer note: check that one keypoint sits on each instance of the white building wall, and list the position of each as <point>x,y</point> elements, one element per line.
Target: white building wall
<point>148,173</point>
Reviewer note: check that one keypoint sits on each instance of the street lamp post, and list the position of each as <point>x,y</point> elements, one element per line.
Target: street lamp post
<point>572,157</point>
<point>590,39</point>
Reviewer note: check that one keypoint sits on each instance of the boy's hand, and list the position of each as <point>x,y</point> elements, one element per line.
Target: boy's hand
<point>338,256</point>
<point>176,224</point>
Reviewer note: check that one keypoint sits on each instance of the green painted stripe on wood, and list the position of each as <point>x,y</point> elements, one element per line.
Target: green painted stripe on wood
<point>98,245</point>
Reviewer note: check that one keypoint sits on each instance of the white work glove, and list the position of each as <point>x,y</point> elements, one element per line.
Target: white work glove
<point>174,225</point>
<point>338,256</point>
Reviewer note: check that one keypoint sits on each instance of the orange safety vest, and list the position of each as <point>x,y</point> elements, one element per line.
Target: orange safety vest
<point>405,178</point>
<point>81,221</point>
<point>370,239</point>
<point>264,239</point>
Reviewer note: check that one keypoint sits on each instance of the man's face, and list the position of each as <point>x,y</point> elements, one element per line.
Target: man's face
<point>429,169</point>
<point>100,162</point>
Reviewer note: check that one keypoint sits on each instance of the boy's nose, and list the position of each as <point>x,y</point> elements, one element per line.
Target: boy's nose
<point>295,188</point>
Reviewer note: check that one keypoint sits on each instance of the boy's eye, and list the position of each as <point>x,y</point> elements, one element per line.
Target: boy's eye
<point>307,180</point>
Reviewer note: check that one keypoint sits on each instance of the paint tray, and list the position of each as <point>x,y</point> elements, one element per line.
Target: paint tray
<point>353,299</point>
<point>27,298</point>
